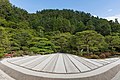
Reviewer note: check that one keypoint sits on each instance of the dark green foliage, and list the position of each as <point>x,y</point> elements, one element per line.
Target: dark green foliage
<point>1,55</point>
<point>89,41</point>
<point>62,41</point>
<point>41,45</point>
<point>113,42</point>
<point>4,41</point>
<point>54,30</point>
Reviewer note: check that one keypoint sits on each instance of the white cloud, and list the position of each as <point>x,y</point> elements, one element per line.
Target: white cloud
<point>113,17</point>
<point>95,15</point>
<point>109,10</point>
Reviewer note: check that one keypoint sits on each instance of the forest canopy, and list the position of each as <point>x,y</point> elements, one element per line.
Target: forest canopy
<point>53,30</point>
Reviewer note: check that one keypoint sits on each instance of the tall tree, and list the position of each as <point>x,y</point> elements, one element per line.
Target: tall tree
<point>90,41</point>
<point>61,41</point>
<point>103,27</point>
<point>113,42</point>
<point>4,41</point>
<point>41,45</point>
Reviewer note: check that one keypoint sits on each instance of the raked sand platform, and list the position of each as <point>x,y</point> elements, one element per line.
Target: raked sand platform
<point>60,66</point>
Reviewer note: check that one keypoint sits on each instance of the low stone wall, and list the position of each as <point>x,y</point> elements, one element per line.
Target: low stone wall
<point>108,75</point>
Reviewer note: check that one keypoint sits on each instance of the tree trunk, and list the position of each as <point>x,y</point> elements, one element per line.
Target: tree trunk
<point>87,48</point>
<point>78,49</point>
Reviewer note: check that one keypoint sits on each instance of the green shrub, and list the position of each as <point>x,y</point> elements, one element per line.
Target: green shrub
<point>28,53</point>
<point>42,53</point>
<point>102,56</point>
<point>35,49</point>
<point>19,53</point>
<point>49,51</point>
<point>2,50</point>
<point>94,56</point>
<point>15,49</point>
<point>24,48</point>
<point>1,55</point>
<point>107,54</point>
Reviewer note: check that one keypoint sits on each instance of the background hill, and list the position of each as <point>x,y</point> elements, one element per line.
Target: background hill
<point>54,30</point>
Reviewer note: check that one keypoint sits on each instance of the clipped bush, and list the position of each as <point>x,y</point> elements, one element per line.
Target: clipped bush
<point>35,49</point>
<point>2,50</point>
<point>28,53</point>
<point>49,51</point>
<point>93,56</point>
<point>102,56</point>
<point>19,53</point>
<point>107,54</point>
<point>24,48</point>
<point>1,55</point>
<point>97,53</point>
<point>15,49</point>
<point>42,53</point>
<point>115,53</point>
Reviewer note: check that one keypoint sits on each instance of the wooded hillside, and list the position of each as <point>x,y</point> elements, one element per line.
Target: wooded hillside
<point>54,30</point>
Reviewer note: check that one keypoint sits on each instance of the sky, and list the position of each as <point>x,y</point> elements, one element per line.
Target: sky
<point>109,9</point>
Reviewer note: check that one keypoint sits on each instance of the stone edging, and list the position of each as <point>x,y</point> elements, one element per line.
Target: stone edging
<point>108,75</point>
